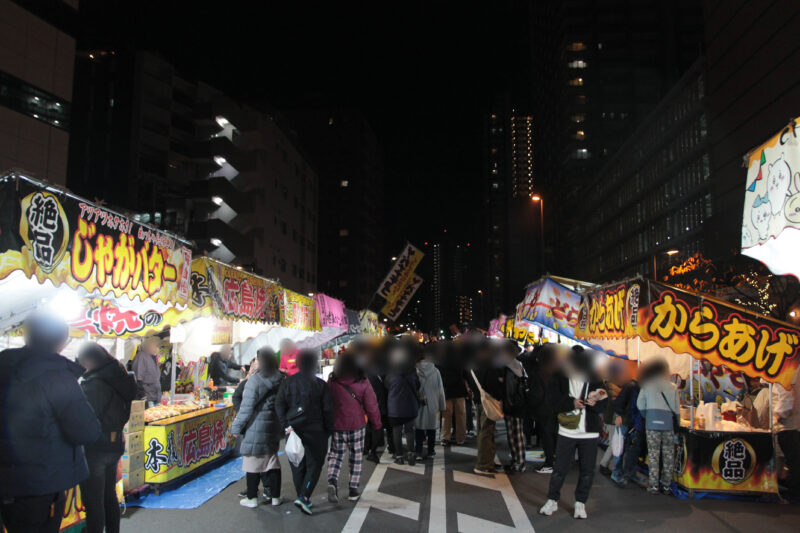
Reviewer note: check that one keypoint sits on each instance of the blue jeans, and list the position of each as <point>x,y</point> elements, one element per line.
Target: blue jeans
<point>625,469</point>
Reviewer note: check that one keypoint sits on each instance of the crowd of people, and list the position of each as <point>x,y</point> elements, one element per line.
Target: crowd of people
<point>63,421</point>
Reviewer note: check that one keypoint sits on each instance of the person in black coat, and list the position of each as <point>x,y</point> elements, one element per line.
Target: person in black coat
<point>451,367</point>
<point>581,398</point>
<point>304,405</point>
<point>110,391</point>
<point>541,366</point>
<point>46,420</point>
<point>219,364</point>
<point>402,404</point>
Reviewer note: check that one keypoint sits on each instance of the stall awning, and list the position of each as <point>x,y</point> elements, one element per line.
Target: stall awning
<point>642,318</point>
<point>550,304</point>
<point>106,273</point>
<point>226,292</point>
<point>332,321</point>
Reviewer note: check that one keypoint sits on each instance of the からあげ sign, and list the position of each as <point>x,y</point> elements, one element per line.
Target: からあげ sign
<point>688,323</point>
<point>53,236</point>
<point>722,335</point>
<point>610,313</point>
<point>106,318</point>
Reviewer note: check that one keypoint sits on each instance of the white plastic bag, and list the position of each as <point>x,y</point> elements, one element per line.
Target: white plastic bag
<point>617,442</point>
<point>294,449</point>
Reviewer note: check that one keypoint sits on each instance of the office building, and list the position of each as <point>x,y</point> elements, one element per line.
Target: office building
<point>352,233</point>
<point>600,67</point>
<point>37,55</point>
<point>180,154</point>
<point>653,197</point>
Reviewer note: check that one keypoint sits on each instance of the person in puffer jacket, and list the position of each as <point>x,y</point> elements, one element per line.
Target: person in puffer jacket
<point>45,420</point>
<point>658,403</point>
<point>110,390</point>
<point>354,403</point>
<point>262,430</point>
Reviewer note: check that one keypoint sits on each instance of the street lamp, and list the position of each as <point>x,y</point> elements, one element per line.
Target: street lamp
<point>669,252</point>
<point>538,199</point>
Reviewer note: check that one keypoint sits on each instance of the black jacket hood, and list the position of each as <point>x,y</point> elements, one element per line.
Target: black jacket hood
<point>115,376</point>
<point>29,364</point>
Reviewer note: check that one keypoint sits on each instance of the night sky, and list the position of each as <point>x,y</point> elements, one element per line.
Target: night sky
<point>421,73</point>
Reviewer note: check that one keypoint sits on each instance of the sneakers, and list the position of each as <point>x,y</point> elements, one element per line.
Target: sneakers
<point>274,501</point>
<point>242,494</point>
<point>398,460</point>
<point>354,495</point>
<point>666,491</point>
<point>605,470</point>
<point>373,457</point>
<point>303,505</point>
<point>411,458</point>
<point>446,442</point>
<point>580,511</point>
<point>544,469</point>
<point>419,458</point>
<point>333,493</point>
<point>549,507</point>
<point>653,490</point>
<point>620,482</point>
<point>250,503</point>
<point>485,471</point>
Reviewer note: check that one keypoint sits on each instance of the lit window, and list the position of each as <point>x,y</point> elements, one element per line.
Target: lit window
<point>578,63</point>
<point>330,121</point>
<point>577,82</point>
<point>343,233</point>
<point>580,135</point>
<point>344,183</point>
<point>578,118</point>
<point>495,185</point>
<point>576,47</point>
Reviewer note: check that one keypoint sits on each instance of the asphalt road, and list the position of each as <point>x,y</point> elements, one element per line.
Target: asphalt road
<point>444,496</point>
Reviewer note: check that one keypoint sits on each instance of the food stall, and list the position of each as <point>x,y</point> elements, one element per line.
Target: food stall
<point>548,313</point>
<point>642,319</point>
<point>227,306</point>
<point>109,277</point>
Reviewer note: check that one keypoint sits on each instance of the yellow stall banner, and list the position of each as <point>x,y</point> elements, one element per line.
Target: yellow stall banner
<point>178,445</point>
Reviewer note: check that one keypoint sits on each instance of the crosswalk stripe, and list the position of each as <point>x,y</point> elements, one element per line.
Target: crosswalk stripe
<point>371,497</point>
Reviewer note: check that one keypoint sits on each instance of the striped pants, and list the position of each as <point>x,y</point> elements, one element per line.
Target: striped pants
<point>342,441</point>
<point>516,440</point>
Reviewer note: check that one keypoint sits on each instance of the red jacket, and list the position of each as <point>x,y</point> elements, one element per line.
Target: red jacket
<point>348,412</point>
<point>289,362</point>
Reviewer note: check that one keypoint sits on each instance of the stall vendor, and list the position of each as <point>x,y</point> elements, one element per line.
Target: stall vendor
<point>220,363</point>
<point>755,404</point>
<point>288,357</point>
<point>145,368</point>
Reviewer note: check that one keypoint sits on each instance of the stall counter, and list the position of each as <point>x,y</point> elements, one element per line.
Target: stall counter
<point>175,446</point>
<point>716,461</point>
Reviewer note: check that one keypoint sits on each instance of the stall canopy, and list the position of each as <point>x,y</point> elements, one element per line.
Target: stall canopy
<point>552,305</point>
<point>771,221</point>
<point>106,273</point>
<point>332,321</point>
<point>640,319</point>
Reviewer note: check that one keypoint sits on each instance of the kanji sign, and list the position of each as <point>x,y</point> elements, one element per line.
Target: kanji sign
<point>227,292</point>
<point>173,449</point>
<point>298,311</point>
<point>50,235</point>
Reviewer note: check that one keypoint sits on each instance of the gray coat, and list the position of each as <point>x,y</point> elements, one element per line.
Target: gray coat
<point>263,435</point>
<point>145,368</point>
<point>433,390</point>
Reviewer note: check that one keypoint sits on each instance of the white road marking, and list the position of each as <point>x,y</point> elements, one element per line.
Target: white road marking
<point>437,522</point>
<point>500,483</point>
<point>372,497</point>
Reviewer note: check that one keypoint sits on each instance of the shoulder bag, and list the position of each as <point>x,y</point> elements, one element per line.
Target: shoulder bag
<point>491,406</point>
<point>572,420</point>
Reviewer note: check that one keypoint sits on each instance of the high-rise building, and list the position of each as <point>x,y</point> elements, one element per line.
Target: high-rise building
<point>450,284</point>
<point>652,200</point>
<point>352,234</point>
<point>180,154</point>
<point>512,220</point>
<point>37,55</point>
<point>602,67</point>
